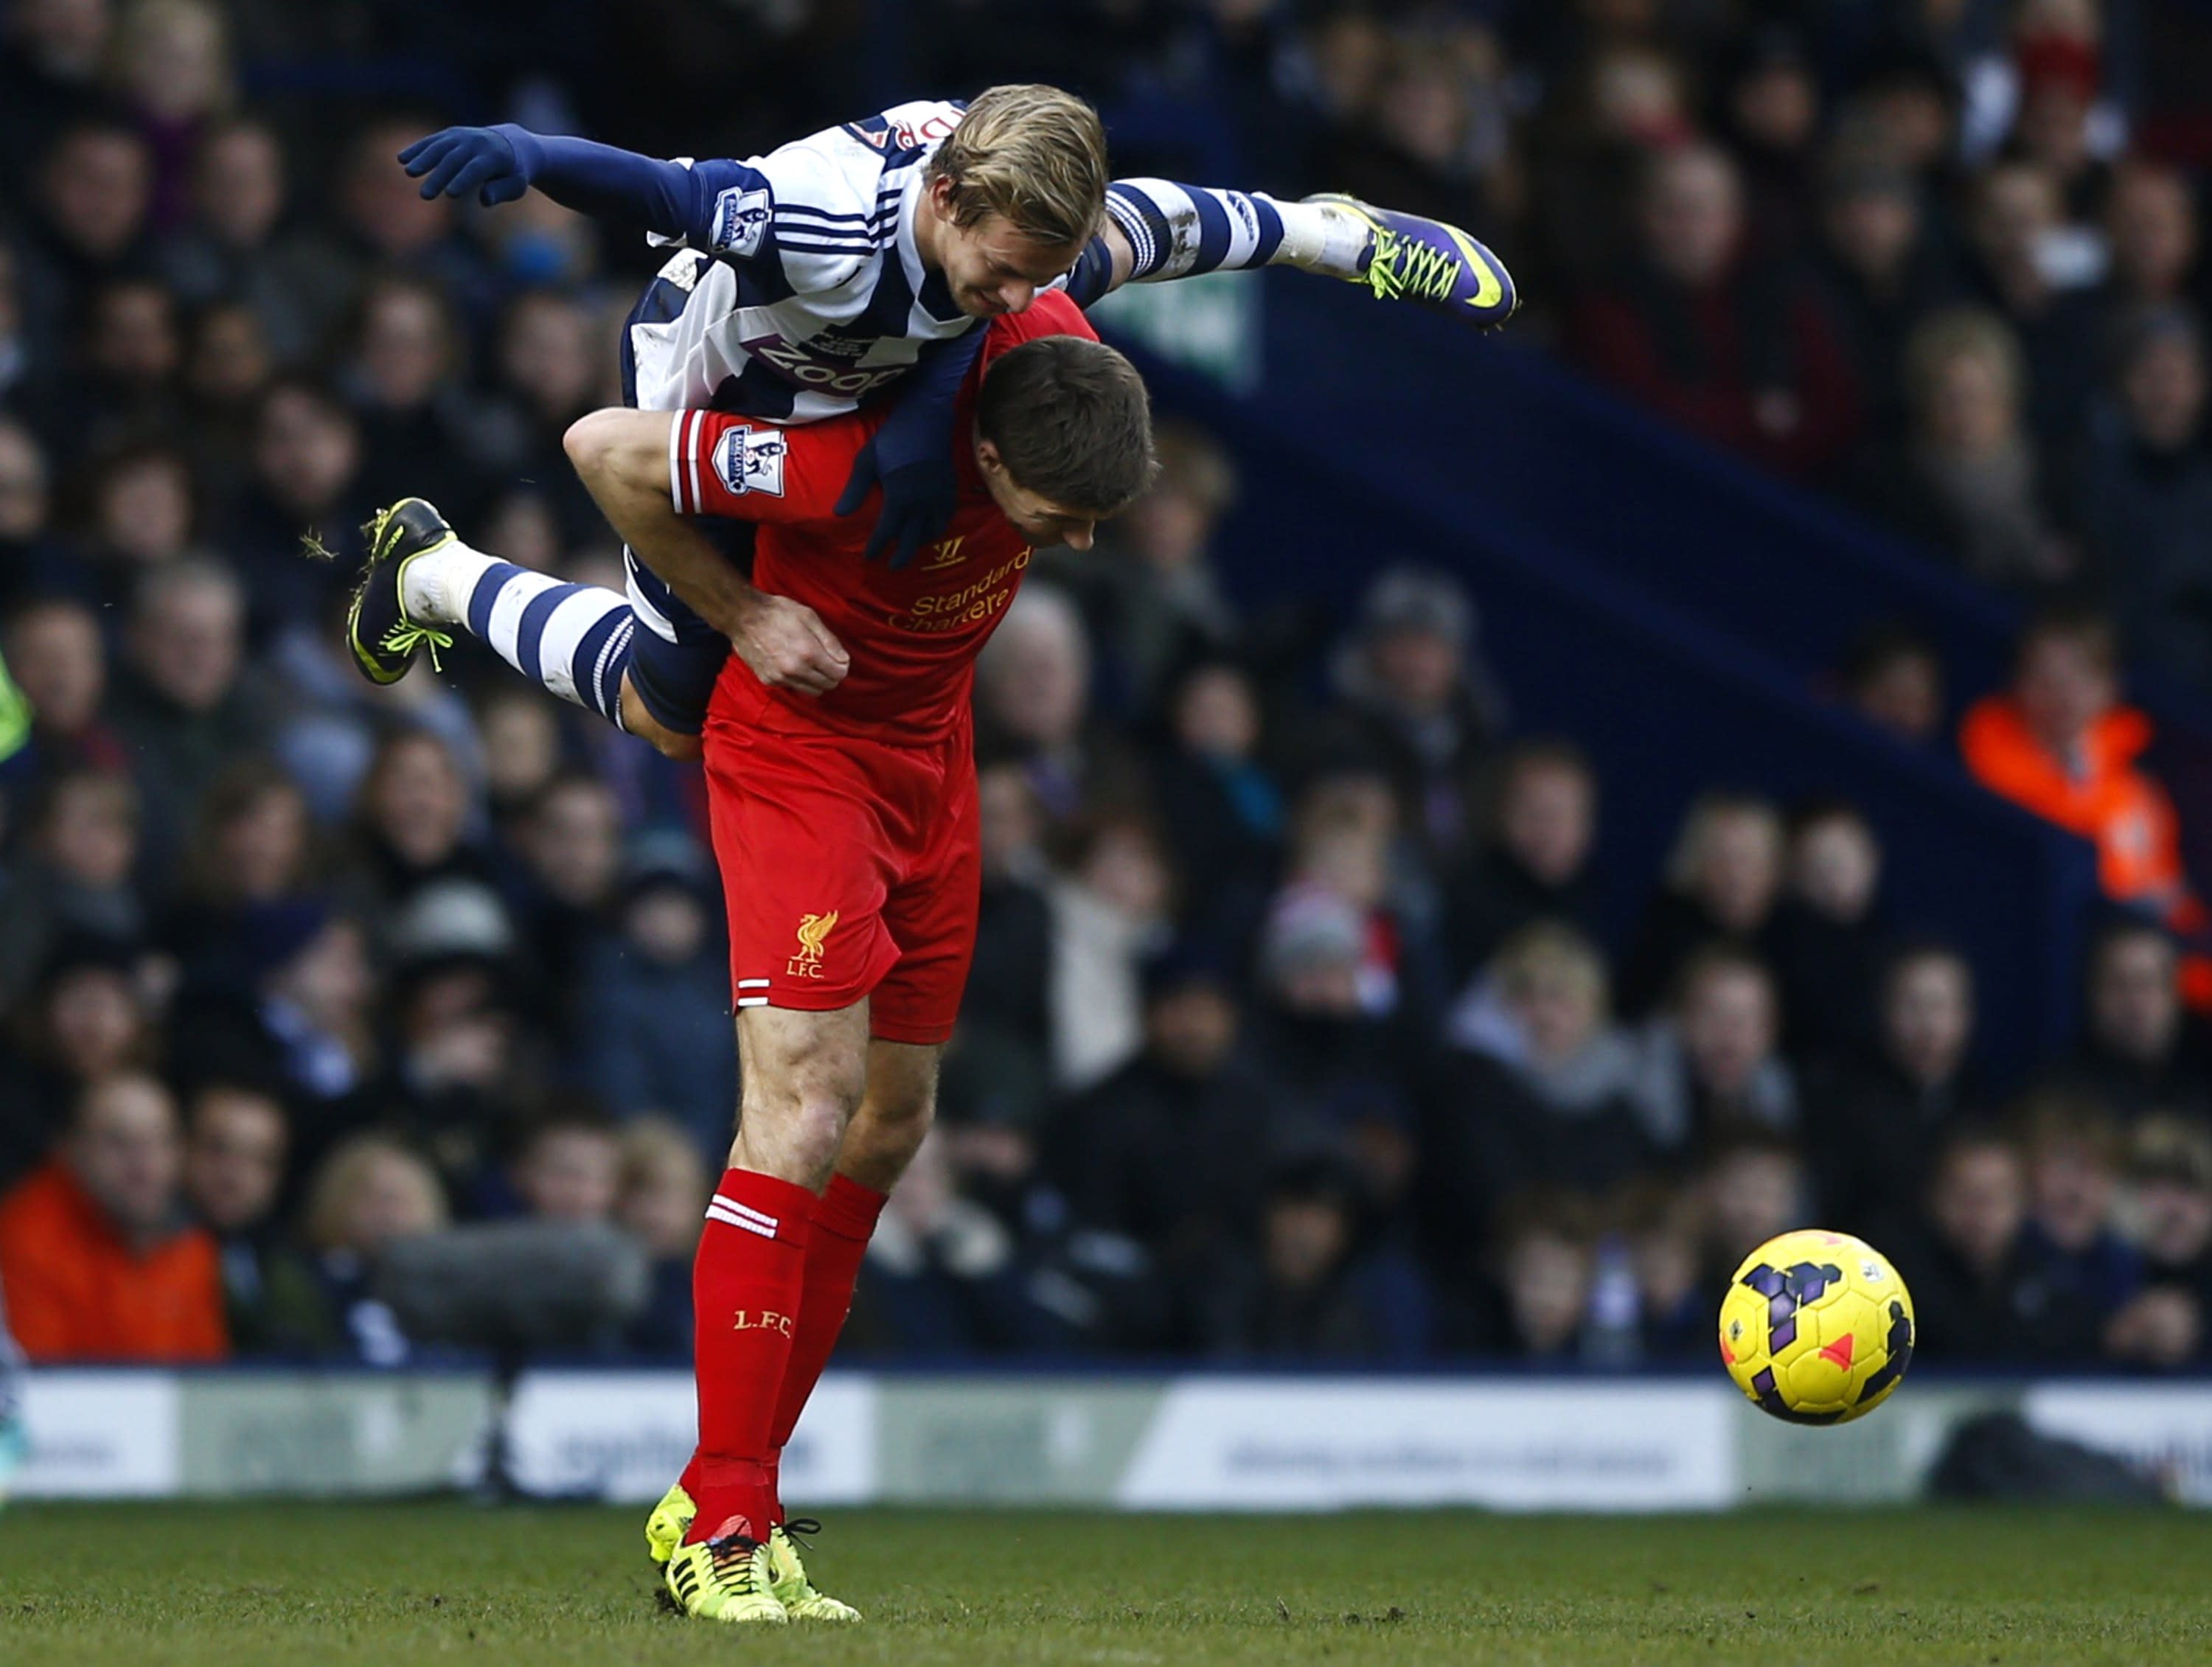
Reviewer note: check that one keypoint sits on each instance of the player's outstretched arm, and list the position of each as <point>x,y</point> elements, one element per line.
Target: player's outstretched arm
<point>625,459</point>
<point>499,164</point>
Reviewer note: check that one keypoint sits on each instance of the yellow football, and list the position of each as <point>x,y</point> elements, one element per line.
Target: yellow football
<point>1816,1327</point>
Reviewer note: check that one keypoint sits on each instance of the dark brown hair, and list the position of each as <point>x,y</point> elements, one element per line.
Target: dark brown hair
<point>1072,422</point>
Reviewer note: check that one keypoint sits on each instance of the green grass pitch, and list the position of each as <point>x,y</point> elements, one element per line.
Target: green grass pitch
<point>233,1585</point>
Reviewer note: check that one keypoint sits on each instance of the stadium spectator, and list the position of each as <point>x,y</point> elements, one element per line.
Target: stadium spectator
<point>236,1142</point>
<point>2151,224</point>
<point>1033,709</point>
<point>2070,1247</point>
<point>1737,349</point>
<point>250,846</point>
<point>1894,678</point>
<point>1878,1118</point>
<point>49,74</point>
<point>57,660</point>
<point>75,873</point>
<point>140,517</point>
<point>1542,1091</point>
<point>1544,1265</point>
<point>2060,744</point>
<point>660,1199</point>
<point>2141,1050</point>
<point>1827,940</point>
<point>1111,906</point>
<point>402,376</point>
<point>2014,223</point>
<point>655,1002</point>
<point>82,1020</point>
<point>303,471</point>
<point>185,702</point>
<point>1009,986</point>
<point>172,71</point>
<point>1419,703</point>
<point>96,1257</point>
<point>1968,475</point>
<point>234,244</point>
<point>2143,492</point>
<point>2169,1172</point>
<point>287,1000</point>
<point>1882,269</point>
<point>1342,1068</point>
<point>1973,1296</point>
<point>941,1275</point>
<point>1222,809</point>
<point>1713,1066</point>
<point>1751,1188</point>
<point>94,185</point>
<point>1724,878</point>
<point>569,1170</point>
<point>1309,1290</point>
<point>34,560</point>
<point>1537,862</point>
<point>564,894</point>
<point>1157,602</point>
<point>366,1194</point>
<point>411,826</point>
<point>1197,1089</point>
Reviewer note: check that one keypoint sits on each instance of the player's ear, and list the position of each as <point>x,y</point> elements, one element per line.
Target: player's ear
<point>939,193</point>
<point>988,458</point>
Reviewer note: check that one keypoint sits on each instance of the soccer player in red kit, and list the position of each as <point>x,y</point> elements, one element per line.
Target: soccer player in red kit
<point>842,793</point>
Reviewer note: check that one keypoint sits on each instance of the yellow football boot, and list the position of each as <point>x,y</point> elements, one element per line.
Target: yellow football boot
<point>726,1581</point>
<point>670,1522</point>
<point>787,1578</point>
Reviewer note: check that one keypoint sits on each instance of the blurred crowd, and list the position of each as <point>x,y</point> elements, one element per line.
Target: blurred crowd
<point>1300,1026</point>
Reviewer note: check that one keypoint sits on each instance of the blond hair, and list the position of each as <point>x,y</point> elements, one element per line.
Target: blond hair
<point>329,1212</point>
<point>1962,332</point>
<point>1035,155</point>
<point>1546,952</point>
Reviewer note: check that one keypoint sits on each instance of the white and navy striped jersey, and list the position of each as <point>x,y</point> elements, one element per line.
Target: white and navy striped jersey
<point>799,291</point>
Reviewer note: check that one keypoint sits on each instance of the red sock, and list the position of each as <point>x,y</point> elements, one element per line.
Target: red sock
<point>843,1222</point>
<point>745,1288</point>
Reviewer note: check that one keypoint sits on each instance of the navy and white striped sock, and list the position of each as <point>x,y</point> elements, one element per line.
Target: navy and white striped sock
<point>1179,231</point>
<point>573,639</point>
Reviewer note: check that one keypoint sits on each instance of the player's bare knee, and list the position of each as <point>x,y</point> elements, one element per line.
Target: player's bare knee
<point>794,1136</point>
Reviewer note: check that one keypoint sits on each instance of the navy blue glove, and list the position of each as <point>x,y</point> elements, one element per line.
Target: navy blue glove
<point>911,456</point>
<point>497,163</point>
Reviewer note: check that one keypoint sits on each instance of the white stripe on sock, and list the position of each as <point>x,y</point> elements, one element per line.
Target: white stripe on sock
<point>727,1219</point>
<point>571,621</point>
<point>730,1203</point>
<point>675,451</point>
<point>503,630</point>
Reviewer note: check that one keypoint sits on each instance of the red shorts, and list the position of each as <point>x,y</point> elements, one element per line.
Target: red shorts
<point>851,869</point>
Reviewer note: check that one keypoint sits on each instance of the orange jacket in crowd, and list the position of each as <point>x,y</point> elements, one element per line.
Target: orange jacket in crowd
<point>77,1291</point>
<point>2110,802</point>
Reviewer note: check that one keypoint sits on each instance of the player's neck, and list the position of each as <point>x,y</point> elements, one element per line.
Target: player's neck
<point>928,232</point>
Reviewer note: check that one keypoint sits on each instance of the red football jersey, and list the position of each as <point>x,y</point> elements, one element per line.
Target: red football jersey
<point>914,635</point>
